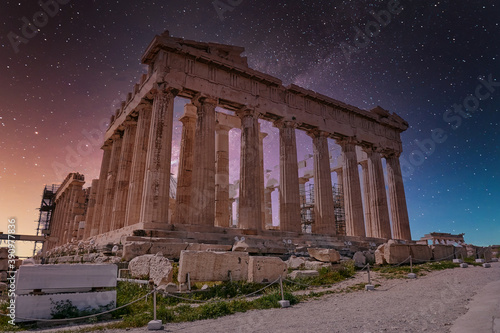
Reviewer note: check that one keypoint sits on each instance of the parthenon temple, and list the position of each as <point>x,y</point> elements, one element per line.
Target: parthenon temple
<point>136,196</point>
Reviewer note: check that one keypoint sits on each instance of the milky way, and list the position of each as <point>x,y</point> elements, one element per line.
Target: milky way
<point>430,62</point>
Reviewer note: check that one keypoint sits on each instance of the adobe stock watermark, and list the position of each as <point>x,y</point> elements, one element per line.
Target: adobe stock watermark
<point>31,27</point>
<point>372,29</point>
<point>222,7</point>
<point>454,118</point>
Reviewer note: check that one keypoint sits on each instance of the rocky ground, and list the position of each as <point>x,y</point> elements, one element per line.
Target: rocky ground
<point>436,302</point>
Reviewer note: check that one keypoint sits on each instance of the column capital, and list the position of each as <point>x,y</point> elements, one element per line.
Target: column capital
<point>247,112</point>
<point>199,99</point>
<point>165,89</point>
<point>107,145</point>
<point>316,133</point>
<point>388,153</point>
<point>282,123</point>
<point>348,144</point>
<point>130,121</point>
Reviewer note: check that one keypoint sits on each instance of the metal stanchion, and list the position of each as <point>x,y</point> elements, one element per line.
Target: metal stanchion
<point>154,325</point>
<point>284,303</point>
<point>411,275</point>
<point>369,286</point>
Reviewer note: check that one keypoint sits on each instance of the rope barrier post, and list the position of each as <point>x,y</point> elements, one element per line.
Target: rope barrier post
<point>284,303</point>
<point>411,275</point>
<point>154,325</point>
<point>369,286</point>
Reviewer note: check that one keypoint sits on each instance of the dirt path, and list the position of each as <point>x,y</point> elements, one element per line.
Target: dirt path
<point>431,303</point>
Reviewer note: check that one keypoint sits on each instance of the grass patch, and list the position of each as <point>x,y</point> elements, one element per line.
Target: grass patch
<point>472,261</point>
<point>400,272</point>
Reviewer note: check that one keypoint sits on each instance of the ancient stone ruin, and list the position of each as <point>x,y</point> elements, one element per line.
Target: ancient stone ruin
<point>135,207</point>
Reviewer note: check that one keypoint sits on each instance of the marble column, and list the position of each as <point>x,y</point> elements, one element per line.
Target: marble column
<point>289,179</point>
<point>269,206</point>
<point>324,215</point>
<point>185,173</point>
<point>138,168</point>
<point>379,211</point>
<point>109,192</point>
<point>399,211</point>
<point>250,175</point>
<point>89,216</point>
<point>96,219</point>
<point>353,205</point>
<point>369,227</point>
<point>202,205</point>
<point>156,191</point>
<point>262,179</point>
<point>222,176</point>
<point>123,176</point>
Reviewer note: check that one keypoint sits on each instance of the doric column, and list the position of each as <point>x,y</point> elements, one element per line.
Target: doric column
<point>399,211</point>
<point>250,193</point>
<point>96,220</point>
<point>202,205</point>
<point>109,193</point>
<point>366,199</point>
<point>156,192</point>
<point>352,191</point>
<point>262,135</point>
<point>222,176</point>
<point>185,173</point>
<point>138,168</point>
<point>289,178</point>
<point>269,206</point>
<point>123,177</point>
<point>89,216</point>
<point>379,211</point>
<point>324,214</point>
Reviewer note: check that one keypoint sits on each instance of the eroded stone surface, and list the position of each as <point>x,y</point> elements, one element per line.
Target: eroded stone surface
<point>213,266</point>
<point>265,269</point>
<point>324,255</point>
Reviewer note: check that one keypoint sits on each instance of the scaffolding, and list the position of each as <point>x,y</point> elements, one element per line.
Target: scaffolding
<point>307,208</point>
<point>46,209</point>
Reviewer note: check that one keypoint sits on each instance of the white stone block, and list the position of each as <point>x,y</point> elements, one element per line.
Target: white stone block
<point>494,259</point>
<point>464,265</point>
<point>486,265</point>
<point>284,303</point>
<point>412,276</point>
<point>457,261</point>
<point>369,287</point>
<point>56,278</point>
<point>39,306</point>
<point>481,261</point>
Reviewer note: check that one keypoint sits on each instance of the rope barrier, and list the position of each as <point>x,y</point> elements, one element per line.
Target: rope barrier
<point>84,317</point>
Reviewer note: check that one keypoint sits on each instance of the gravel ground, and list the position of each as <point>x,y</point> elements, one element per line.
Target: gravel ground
<point>428,304</point>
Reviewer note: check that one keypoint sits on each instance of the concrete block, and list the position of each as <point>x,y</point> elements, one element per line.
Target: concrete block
<point>284,303</point>
<point>369,287</point>
<point>486,265</point>
<point>65,277</point>
<point>481,261</point>
<point>155,325</point>
<point>265,269</point>
<point>412,276</point>
<point>457,261</point>
<point>213,266</point>
<point>39,306</point>
<point>464,265</point>
<point>494,259</point>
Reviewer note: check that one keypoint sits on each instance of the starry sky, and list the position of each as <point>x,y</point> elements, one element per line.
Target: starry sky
<point>435,63</point>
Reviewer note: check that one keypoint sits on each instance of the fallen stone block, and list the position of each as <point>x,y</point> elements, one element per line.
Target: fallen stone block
<point>396,253</point>
<point>303,274</point>
<point>295,262</point>
<point>152,266</point>
<point>213,266</point>
<point>169,250</point>
<point>316,265</point>
<point>359,259</point>
<point>324,255</point>
<point>265,269</point>
<point>443,252</point>
<point>379,255</point>
<point>249,245</point>
<point>370,257</point>
<point>208,247</point>
<point>135,249</point>
<point>420,253</point>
